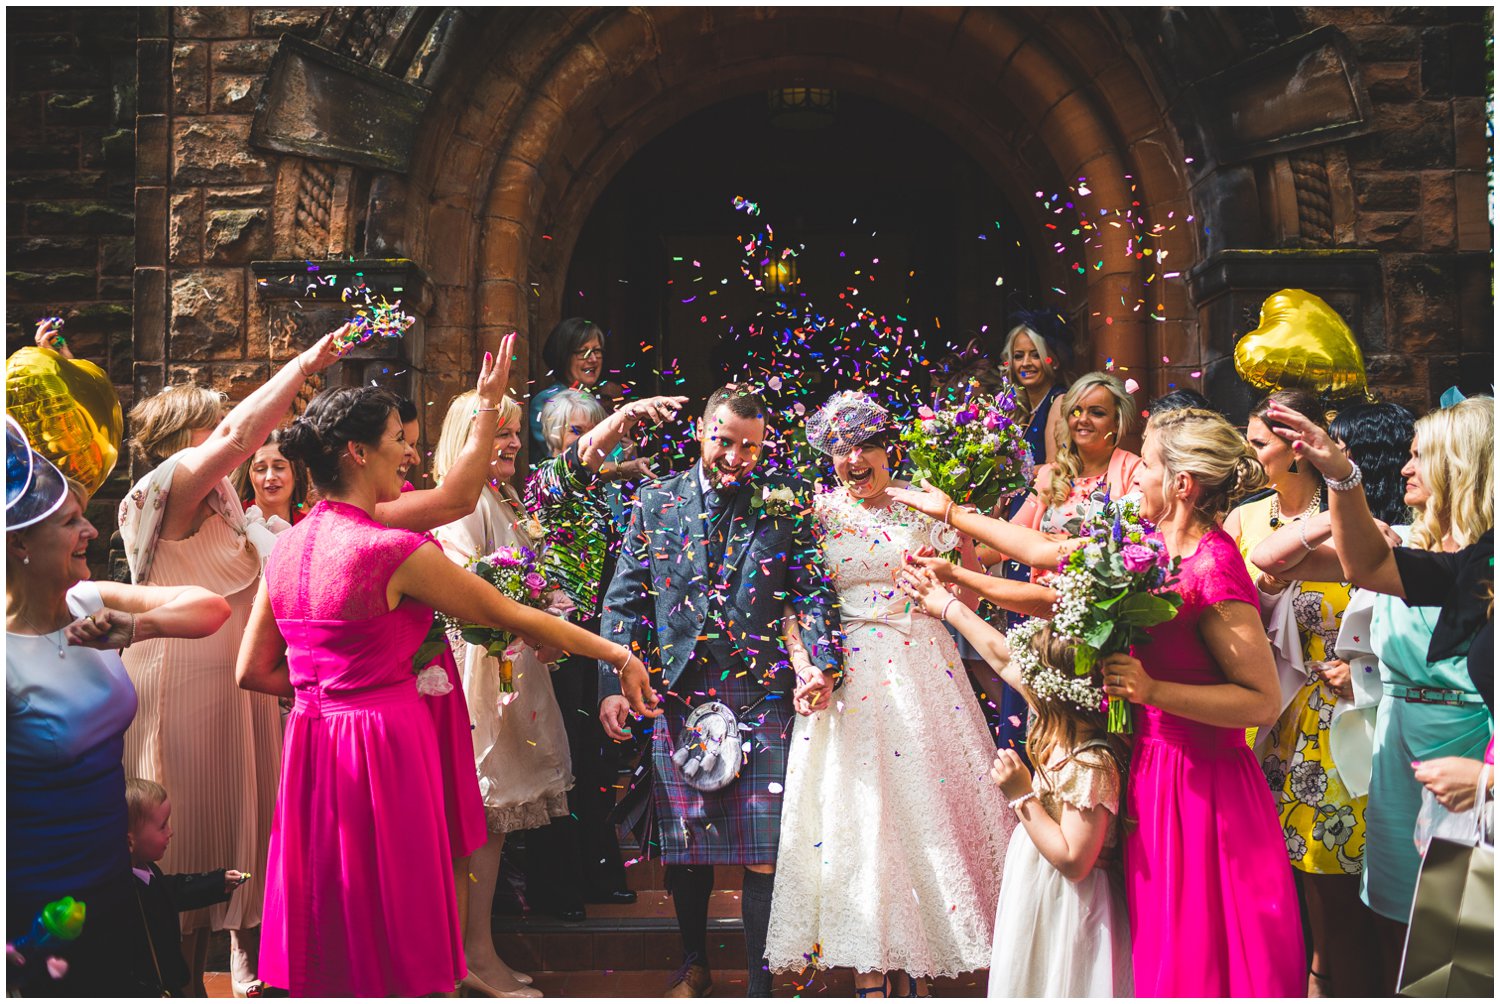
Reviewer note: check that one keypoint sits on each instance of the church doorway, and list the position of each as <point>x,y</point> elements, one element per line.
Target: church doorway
<point>805,240</point>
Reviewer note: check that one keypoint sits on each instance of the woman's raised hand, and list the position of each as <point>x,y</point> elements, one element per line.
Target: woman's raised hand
<point>923,588</point>
<point>494,373</point>
<point>323,353</point>
<point>49,336</point>
<point>653,409</point>
<point>929,501</point>
<point>1309,442</point>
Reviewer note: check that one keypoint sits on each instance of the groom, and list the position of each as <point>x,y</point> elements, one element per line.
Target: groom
<point>709,562</point>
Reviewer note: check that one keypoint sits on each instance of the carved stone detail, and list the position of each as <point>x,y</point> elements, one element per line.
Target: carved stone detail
<point>314,206</point>
<point>1314,199</point>
<point>372,36</point>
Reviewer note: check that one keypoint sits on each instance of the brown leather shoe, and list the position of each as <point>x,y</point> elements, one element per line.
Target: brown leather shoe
<point>692,980</point>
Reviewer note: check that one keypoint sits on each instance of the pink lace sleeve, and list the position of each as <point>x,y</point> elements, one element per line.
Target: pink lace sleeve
<point>1216,573</point>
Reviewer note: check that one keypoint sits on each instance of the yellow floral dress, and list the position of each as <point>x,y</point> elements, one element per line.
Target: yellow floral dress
<point>1323,824</point>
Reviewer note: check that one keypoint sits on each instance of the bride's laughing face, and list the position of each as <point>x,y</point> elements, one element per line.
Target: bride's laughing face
<point>865,471</point>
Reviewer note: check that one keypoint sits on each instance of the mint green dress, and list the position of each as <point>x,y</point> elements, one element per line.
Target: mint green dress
<point>1407,731</point>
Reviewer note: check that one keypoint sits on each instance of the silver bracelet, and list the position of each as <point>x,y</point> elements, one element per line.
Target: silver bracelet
<point>1015,806</point>
<point>1302,532</point>
<point>1354,480</point>
<point>944,615</point>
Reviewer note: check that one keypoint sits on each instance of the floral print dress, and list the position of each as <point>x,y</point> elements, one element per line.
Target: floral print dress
<point>1324,825</point>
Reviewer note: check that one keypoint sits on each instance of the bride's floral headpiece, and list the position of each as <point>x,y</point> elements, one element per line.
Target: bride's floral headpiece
<point>846,420</point>
<point>1047,682</point>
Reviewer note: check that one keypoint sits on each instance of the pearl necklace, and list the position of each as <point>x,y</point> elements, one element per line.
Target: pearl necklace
<point>1312,509</point>
<point>61,639</point>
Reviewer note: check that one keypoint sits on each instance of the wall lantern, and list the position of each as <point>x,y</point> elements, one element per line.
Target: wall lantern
<point>780,273</point>
<point>803,108</point>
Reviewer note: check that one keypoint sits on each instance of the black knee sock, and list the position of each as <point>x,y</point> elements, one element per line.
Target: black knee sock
<point>690,886</point>
<point>755,904</point>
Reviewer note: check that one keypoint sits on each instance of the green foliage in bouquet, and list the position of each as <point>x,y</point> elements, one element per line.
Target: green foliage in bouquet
<point>1111,590</point>
<point>974,451</point>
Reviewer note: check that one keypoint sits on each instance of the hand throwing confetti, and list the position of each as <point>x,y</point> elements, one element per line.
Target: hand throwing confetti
<point>375,319</point>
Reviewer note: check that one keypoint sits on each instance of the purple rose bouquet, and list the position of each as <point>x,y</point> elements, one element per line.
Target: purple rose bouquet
<point>1112,589</point>
<point>975,451</point>
<point>516,572</point>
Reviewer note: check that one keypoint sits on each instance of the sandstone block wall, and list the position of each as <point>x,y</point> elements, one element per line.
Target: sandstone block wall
<point>136,200</point>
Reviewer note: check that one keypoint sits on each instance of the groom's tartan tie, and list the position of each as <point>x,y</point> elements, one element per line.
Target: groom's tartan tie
<point>718,513</point>
<point>717,506</point>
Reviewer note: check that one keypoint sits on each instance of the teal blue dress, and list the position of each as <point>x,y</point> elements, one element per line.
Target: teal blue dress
<point>1407,731</point>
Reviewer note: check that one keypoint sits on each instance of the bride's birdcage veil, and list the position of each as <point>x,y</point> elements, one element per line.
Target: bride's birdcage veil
<point>846,420</point>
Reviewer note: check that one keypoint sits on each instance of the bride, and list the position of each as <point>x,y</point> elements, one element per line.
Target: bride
<point>892,836</point>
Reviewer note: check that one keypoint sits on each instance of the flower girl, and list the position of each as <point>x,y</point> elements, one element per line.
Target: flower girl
<point>1061,929</point>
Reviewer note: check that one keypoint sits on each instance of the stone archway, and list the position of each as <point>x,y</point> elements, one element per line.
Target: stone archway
<point>536,118</point>
<point>1248,135</point>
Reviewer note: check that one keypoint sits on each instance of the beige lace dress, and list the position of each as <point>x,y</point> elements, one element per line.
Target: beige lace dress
<point>521,748</point>
<point>892,835</point>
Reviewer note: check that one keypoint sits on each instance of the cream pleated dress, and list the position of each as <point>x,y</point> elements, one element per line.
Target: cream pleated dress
<point>215,748</point>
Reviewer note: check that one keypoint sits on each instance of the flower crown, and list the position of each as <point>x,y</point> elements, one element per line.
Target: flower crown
<point>1047,682</point>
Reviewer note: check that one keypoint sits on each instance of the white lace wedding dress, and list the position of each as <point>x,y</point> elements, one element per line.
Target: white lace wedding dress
<point>893,837</point>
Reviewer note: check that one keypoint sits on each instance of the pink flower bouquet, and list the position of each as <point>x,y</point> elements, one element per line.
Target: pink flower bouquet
<point>1111,590</point>
<point>974,451</point>
<point>516,572</point>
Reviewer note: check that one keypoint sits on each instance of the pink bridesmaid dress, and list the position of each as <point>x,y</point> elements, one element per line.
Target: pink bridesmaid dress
<point>359,897</point>
<point>1213,909</point>
<point>463,805</point>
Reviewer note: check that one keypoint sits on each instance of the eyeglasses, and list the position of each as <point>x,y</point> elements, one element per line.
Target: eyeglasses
<point>589,354</point>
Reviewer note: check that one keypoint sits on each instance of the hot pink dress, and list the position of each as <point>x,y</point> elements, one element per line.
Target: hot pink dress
<point>463,805</point>
<point>1213,909</point>
<point>359,897</point>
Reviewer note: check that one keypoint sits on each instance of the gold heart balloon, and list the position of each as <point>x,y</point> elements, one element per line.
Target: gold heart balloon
<point>69,411</point>
<point>1301,342</point>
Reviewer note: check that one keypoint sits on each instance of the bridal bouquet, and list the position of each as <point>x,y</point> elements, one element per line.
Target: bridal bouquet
<point>974,451</point>
<point>1112,589</point>
<point>516,572</point>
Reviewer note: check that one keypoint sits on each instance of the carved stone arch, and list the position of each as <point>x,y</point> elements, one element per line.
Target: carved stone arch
<point>543,113</point>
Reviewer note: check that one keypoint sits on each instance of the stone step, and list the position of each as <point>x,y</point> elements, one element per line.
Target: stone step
<point>650,873</point>
<point>638,936</point>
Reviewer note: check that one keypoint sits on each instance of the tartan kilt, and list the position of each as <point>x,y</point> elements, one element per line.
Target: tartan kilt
<point>740,824</point>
